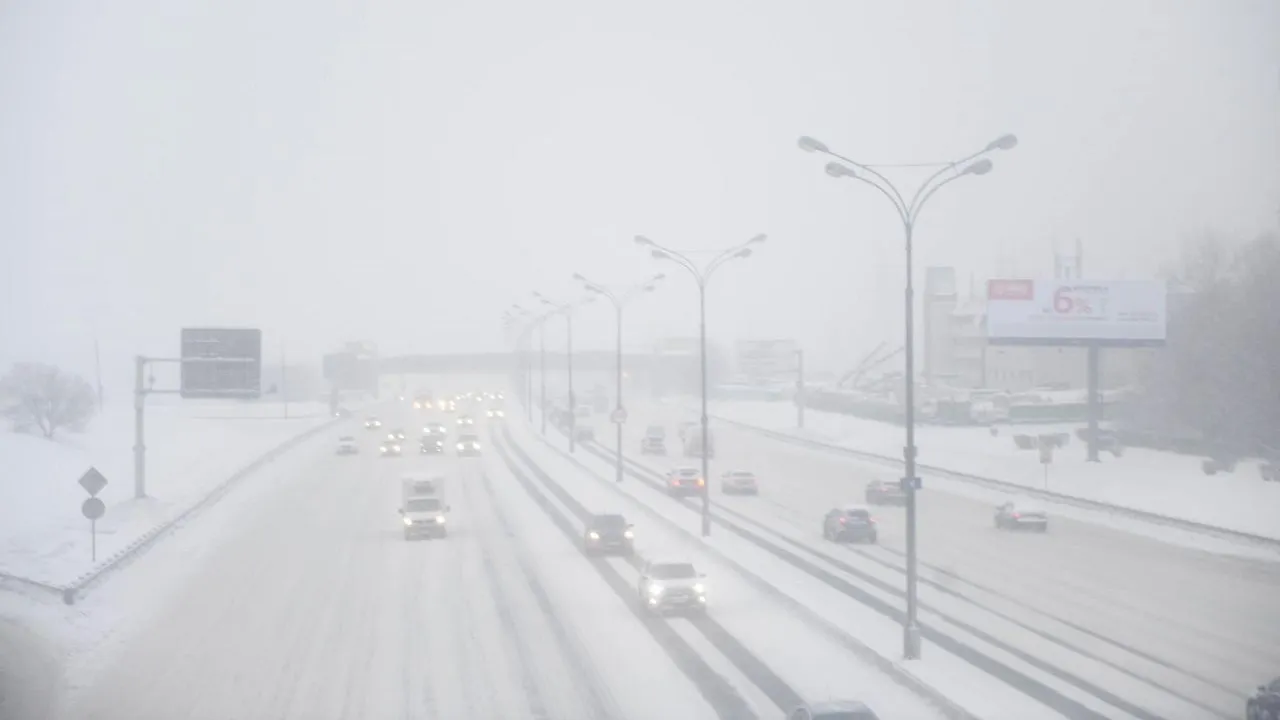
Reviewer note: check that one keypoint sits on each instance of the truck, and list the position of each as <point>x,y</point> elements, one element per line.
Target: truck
<point>423,507</point>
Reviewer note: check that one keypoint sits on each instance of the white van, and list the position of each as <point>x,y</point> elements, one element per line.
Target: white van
<point>423,507</point>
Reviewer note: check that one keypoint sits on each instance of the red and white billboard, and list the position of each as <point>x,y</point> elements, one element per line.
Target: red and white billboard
<point>1075,311</point>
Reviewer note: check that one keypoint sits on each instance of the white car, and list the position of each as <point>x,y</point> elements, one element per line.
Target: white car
<point>739,482</point>
<point>833,710</point>
<point>389,448</point>
<point>1022,514</point>
<point>497,413</point>
<point>672,585</point>
<point>347,445</point>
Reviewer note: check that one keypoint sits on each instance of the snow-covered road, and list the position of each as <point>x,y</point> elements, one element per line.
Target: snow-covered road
<point>1155,628</point>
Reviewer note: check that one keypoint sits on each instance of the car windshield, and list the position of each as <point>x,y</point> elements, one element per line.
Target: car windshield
<point>346,438</point>
<point>609,522</point>
<point>467,438</point>
<point>656,432</point>
<point>688,472</point>
<point>857,514</point>
<point>673,571</point>
<point>742,474</point>
<point>422,505</point>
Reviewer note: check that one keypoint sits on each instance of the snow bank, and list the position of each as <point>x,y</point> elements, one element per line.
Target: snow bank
<point>191,447</point>
<point>1151,481</point>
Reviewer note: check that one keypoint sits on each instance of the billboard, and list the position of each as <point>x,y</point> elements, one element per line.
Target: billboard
<point>355,367</point>
<point>221,363</point>
<point>766,359</point>
<point>1076,312</point>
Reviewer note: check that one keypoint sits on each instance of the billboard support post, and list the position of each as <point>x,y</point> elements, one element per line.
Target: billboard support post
<point>800,389</point>
<point>1095,405</point>
<point>139,444</point>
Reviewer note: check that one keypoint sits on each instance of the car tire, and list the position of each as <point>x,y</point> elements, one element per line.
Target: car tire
<point>873,540</point>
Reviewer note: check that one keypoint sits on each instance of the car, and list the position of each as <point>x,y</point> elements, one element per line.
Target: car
<point>342,413</point>
<point>347,445</point>
<point>1021,514</point>
<point>397,434</point>
<point>448,405</point>
<point>654,441</point>
<point>683,481</point>
<point>435,430</point>
<point>879,492</point>
<point>468,445</point>
<point>466,421</point>
<point>671,585</point>
<point>584,433</point>
<point>423,402</point>
<point>424,515</point>
<point>607,533</point>
<point>739,482</point>
<point>1264,704</point>
<point>693,446</point>
<point>851,523</point>
<point>389,448</point>
<point>833,710</point>
<point>497,413</point>
<point>372,423</point>
<point>431,445</point>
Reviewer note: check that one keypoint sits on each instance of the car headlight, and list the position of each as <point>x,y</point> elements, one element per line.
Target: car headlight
<point>396,448</point>
<point>593,535</point>
<point>439,519</point>
<point>699,588</point>
<point>475,446</point>
<point>628,535</point>
<point>460,446</point>
<point>655,589</point>
<point>408,521</point>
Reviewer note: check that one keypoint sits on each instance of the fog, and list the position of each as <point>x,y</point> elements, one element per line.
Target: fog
<point>404,172</point>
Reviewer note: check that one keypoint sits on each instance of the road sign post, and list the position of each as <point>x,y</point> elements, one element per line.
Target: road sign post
<point>618,416</point>
<point>93,482</point>
<point>1046,456</point>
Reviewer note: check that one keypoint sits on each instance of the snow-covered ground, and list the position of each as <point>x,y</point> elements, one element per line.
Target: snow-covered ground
<point>1152,481</point>
<point>192,446</point>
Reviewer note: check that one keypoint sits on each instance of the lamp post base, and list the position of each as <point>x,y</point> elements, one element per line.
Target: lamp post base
<point>911,642</point>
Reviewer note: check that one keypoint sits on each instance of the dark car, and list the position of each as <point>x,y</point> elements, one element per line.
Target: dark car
<point>435,430</point>
<point>431,445</point>
<point>851,523</point>
<point>1021,514</point>
<point>398,433</point>
<point>654,441</point>
<point>880,492</point>
<point>372,423</point>
<point>389,448</point>
<point>1265,703</point>
<point>468,445</point>
<point>606,534</point>
<point>833,710</point>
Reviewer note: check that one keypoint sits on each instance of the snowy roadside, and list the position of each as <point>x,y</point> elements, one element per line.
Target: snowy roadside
<point>192,447</point>
<point>1150,481</point>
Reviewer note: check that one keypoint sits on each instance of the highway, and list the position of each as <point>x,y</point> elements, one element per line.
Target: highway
<point>1156,630</point>
<point>311,605</point>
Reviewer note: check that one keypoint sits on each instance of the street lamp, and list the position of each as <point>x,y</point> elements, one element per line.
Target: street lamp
<point>566,309</point>
<point>619,298</point>
<point>702,276</point>
<point>909,213</point>
<point>516,312</point>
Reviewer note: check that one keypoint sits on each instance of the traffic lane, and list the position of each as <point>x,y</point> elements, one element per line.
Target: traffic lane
<point>1213,614</point>
<point>29,671</point>
<point>798,650</point>
<point>319,608</point>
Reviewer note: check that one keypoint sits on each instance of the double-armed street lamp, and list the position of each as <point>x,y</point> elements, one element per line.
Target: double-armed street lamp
<point>565,309</point>
<point>909,213</point>
<point>702,275</point>
<point>619,298</point>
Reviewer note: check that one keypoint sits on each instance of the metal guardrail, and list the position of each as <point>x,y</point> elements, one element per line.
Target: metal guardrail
<point>1155,518</point>
<point>71,591</point>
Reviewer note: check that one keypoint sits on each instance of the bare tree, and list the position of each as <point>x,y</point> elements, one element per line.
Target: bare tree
<point>41,396</point>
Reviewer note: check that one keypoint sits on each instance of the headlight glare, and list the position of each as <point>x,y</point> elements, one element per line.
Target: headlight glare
<point>655,589</point>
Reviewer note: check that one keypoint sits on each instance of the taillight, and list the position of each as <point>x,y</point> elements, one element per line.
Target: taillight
<point>844,520</point>
<point>871,520</point>
<point>701,482</point>
<point>1016,516</point>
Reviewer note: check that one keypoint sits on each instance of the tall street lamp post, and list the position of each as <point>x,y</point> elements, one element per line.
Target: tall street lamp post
<point>567,310</point>
<point>909,212</point>
<point>702,276</point>
<point>619,298</point>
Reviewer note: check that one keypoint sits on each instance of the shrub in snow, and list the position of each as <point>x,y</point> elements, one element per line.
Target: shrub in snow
<point>38,397</point>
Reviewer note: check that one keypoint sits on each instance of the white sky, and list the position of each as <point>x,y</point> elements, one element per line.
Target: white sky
<point>404,171</point>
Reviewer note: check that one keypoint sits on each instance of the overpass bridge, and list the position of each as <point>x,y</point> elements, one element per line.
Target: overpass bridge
<point>505,363</point>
